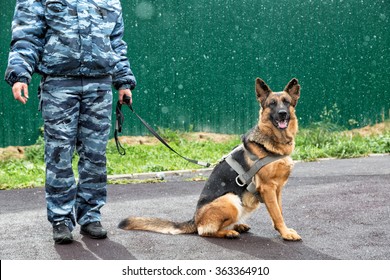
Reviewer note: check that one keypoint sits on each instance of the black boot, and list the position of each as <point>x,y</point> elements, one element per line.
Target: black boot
<point>61,233</point>
<point>94,230</point>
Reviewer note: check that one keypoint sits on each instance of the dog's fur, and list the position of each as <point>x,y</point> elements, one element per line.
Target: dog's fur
<point>223,205</point>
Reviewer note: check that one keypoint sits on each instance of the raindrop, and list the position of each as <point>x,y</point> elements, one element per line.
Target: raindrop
<point>144,10</point>
<point>164,110</point>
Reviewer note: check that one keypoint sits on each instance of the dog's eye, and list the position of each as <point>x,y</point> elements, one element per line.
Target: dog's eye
<point>272,103</point>
<point>286,102</point>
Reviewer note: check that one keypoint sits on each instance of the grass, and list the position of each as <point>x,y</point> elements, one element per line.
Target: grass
<point>325,142</point>
<point>321,140</point>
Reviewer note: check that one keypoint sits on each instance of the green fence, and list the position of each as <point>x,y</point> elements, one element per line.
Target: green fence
<point>196,62</point>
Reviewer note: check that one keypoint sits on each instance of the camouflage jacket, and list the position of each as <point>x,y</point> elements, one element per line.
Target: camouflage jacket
<point>69,38</point>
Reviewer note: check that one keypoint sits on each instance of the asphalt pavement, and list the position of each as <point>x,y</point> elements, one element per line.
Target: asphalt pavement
<point>341,209</point>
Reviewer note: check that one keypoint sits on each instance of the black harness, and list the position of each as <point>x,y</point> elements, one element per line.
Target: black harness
<point>245,178</point>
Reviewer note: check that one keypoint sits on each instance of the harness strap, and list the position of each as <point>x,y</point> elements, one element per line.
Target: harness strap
<point>252,189</point>
<point>245,178</point>
<point>235,165</point>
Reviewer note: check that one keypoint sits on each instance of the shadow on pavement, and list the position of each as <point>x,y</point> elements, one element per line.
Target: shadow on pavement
<point>270,249</point>
<point>93,249</point>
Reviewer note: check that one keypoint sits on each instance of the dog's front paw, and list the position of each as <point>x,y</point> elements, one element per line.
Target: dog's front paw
<point>291,235</point>
<point>232,234</point>
<point>241,228</point>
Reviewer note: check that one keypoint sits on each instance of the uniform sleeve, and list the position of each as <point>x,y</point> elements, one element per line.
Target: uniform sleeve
<point>123,77</point>
<point>28,33</point>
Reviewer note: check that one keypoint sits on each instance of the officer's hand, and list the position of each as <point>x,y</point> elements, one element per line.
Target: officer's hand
<point>20,91</point>
<point>123,92</point>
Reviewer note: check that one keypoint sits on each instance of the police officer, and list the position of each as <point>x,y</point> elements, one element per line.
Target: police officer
<point>77,48</point>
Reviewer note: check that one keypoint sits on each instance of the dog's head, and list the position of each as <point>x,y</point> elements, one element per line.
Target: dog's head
<point>278,106</point>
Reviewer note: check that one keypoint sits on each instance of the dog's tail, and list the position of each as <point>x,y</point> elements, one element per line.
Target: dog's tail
<point>158,225</point>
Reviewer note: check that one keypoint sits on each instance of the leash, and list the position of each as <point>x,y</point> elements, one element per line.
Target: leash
<point>118,128</point>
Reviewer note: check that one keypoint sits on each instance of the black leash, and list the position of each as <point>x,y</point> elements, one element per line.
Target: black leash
<point>118,129</point>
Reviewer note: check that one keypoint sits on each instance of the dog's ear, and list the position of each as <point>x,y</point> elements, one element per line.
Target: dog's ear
<point>262,91</point>
<point>293,89</point>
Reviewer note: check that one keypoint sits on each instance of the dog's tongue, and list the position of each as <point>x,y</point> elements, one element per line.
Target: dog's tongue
<point>282,124</point>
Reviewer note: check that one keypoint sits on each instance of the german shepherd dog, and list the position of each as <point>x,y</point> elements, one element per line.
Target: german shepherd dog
<point>224,205</point>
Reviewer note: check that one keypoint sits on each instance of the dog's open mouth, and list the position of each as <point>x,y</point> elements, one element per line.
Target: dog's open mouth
<point>282,124</point>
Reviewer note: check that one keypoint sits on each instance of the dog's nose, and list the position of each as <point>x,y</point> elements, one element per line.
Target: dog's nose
<point>282,114</point>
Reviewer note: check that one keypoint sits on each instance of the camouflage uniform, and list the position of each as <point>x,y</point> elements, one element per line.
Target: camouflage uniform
<point>77,47</point>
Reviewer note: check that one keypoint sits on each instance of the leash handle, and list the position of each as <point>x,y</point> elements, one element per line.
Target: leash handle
<point>119,122</point>
<point>126,100</point>
<point>118,128</point>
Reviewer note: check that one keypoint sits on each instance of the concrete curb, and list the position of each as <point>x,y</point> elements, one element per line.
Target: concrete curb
<point>176,175</point>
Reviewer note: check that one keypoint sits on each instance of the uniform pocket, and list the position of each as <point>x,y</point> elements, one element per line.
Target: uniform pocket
<point>56,14</point>
<point>103,18</point>
<point>41,84</point>
<point>55,6</point>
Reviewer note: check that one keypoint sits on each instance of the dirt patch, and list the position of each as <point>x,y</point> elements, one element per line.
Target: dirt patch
<point>137,140</point>
<point>369,130</point>
<point>193,136</point>
<point>208,136</point>
<point>12,153</point>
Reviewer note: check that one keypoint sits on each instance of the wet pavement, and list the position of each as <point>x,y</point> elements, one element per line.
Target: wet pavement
<point>340,208</point>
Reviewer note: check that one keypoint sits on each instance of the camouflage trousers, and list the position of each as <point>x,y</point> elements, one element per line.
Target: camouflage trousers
<point>77,116</point>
